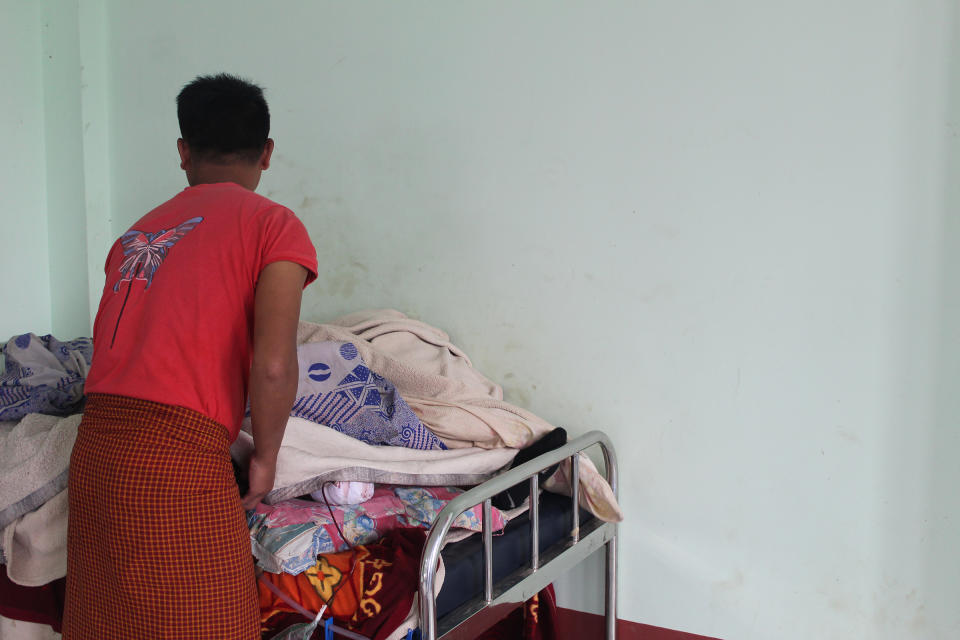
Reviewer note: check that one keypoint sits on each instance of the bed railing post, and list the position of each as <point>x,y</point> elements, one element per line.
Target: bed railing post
<point>575,491</point>
<point>611,589</point>
<point>488,550</point>
<point>610,595</point>
<point>535,521</point>
<point>428,605</point>
<point>429,561</point>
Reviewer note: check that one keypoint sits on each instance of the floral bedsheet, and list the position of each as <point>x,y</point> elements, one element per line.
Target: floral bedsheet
<point>288,536</point>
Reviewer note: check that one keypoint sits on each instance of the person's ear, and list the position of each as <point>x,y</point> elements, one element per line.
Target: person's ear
<point>264,162</point>
<point>184,154</point>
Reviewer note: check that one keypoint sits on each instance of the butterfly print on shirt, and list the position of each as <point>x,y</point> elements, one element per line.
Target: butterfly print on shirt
<point>143,254</point>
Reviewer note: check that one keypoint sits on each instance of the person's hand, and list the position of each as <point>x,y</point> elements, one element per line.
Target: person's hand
<point>263,470</point>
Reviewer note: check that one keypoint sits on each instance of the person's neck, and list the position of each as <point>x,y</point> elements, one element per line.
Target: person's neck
<point>245,175</point>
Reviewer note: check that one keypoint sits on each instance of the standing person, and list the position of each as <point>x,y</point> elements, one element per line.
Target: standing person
<point>200,306</point>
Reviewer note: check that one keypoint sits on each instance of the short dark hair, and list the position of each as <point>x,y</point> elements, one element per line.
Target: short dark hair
<point>222,116</point>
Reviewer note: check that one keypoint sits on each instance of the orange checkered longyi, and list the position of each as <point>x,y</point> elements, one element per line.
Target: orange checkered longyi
<point>157,544</point>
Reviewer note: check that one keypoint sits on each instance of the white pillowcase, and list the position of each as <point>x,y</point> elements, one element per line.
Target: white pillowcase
<point>344,492</point>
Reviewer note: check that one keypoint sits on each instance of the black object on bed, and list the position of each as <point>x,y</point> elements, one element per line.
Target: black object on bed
<point>463,561</point>
<point>515,495</point>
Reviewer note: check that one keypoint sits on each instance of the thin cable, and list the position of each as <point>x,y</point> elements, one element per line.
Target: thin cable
<point>353,550</point>
<point>323,494</point>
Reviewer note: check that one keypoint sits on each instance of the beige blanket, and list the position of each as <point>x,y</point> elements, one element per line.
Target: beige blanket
<point>436,379</point>
<point>453,399</point>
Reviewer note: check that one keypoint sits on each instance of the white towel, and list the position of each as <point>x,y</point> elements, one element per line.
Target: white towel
<point>34,456</point>
<point>34,461</point>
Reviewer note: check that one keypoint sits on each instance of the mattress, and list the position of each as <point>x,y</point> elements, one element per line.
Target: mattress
<point>463,561</point>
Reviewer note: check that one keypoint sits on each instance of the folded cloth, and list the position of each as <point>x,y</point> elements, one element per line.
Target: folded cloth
<point>311,454</point>
<point>43,375</point>
<point>34,457</point>
<point>287,536</point>
<point>336,388</point>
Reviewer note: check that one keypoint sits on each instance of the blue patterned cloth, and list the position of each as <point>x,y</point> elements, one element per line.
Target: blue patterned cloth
<point>43,375</point>
<point>337,389</point>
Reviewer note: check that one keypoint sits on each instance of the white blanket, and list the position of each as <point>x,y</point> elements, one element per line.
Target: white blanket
<point>311,454</point>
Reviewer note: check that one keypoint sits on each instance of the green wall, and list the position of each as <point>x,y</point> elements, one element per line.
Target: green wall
<point>25,285</point>
<point>56,176</point>
<point>66,203</point>
<point>723,232</point>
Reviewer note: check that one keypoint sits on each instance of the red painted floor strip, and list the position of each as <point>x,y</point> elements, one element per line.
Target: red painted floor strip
<point>577,625</point>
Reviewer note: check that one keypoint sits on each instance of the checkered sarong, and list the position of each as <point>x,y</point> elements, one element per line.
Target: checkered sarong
<point>157,544</point>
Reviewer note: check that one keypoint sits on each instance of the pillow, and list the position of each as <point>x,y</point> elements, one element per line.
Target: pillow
<point>337,389</point>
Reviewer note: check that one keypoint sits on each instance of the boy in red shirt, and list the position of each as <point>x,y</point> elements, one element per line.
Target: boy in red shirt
<point>199,312</point>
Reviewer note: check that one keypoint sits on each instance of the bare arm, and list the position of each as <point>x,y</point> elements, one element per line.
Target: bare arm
<point>273,374</point>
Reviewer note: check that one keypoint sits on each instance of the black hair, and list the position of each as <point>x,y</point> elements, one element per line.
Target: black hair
<point>222,116</point>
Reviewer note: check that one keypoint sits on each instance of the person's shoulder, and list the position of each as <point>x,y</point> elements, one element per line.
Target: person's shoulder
<point>234,193</point>
<point>252,200</point>
<point>253,208</point>
<point>265,208</point>
<point>159,213</point>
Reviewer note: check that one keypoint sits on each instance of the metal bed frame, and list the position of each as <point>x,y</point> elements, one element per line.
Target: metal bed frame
<point>501,598</point>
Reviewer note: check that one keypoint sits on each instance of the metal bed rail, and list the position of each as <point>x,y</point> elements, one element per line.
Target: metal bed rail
<point>527,581</point>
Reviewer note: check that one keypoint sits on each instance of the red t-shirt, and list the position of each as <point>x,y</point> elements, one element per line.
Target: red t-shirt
<point>175,323</point>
